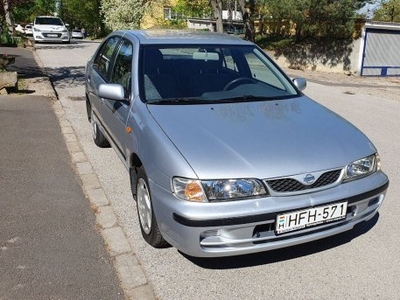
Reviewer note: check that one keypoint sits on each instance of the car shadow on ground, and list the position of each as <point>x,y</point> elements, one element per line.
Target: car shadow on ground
<point>274,256</point>
<point>67,77</point>
<point>54,46</point>
<point>25,68</point>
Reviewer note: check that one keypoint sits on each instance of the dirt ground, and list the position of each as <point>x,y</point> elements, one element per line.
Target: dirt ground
<point>385,87</point>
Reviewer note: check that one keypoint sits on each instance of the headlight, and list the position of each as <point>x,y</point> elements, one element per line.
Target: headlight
<point>217,190</point>
<point>362,167</point>
<point>36,30</point>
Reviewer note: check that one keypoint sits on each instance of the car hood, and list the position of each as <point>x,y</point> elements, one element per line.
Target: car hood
<point>261,139</point>
<point>50,27</point>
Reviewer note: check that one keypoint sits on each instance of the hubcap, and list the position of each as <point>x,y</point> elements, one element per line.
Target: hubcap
<point>144,206</point>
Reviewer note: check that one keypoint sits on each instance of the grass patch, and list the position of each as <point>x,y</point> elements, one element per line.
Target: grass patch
<point>274,42</point>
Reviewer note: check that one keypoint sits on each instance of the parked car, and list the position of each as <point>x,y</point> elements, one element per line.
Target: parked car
<point>77,34</point>
<point>19,28</point>
<point>29,29</point>
<point>50,29</point>
<point>226,155</point>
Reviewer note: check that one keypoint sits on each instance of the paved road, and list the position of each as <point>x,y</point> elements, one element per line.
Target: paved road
<point>362,264</point>
<point>49,246</point>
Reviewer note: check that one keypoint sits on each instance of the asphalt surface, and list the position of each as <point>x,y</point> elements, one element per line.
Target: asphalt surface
<point>50,247</point>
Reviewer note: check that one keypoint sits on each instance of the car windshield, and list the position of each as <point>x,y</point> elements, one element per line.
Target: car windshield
<point>48,21</point>
<point>210,74</point>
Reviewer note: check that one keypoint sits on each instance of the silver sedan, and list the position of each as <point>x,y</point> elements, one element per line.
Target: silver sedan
<point>226,155</point>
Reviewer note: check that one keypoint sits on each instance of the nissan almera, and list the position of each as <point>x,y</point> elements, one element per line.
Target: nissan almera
<point>225,154</point>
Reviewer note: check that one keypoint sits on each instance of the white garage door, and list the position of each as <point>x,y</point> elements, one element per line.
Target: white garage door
<point>381,55</point>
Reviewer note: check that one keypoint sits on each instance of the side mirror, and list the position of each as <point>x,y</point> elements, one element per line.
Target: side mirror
<point>112,91</point>
<point>300,83</point>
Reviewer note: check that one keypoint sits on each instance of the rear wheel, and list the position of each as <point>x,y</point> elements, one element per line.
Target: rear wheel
<point>98,137</point>
<point>147,220</point>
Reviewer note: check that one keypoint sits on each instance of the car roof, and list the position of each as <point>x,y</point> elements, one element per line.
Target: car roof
<point>53,17</point>
<point>168,36</point>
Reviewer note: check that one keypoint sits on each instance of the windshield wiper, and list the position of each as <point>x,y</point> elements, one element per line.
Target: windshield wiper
<point>247,98</point>
<point>179,101</point>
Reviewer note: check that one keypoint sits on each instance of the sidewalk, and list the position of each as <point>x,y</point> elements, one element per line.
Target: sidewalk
<point>25,63</point>
<point>50,247</point>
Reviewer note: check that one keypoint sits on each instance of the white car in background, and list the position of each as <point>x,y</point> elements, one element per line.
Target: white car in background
<point>28,29</point>
<point>19,28</point>
<point>77,34</point>
<point>50,29</point>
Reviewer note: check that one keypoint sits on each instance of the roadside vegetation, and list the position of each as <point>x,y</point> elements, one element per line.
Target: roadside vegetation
<point>273,24</point>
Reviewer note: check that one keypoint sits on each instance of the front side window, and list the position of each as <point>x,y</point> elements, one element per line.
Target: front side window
<point>123,65</point>
<point>102,61</point>
<point>209,73</point>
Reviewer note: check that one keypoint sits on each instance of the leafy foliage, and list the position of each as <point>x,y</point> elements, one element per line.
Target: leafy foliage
<point>312,17</point>
<point>123,14</point>
<point>389,11</point>
<point>299,18</point>
<point>193,8</point>
<point>84,14</point>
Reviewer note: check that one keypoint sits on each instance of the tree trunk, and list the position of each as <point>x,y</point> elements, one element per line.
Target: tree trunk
<point>248,19</point>
<point>7,12</point>
<point>217,9</point>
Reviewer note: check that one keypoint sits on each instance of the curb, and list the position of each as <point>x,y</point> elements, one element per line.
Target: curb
<point>130,273</point>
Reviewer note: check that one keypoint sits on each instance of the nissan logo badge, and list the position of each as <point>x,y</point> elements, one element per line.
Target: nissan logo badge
<point>309,179</point>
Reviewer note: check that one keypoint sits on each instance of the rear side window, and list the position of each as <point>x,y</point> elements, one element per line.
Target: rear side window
<point>102,61</point>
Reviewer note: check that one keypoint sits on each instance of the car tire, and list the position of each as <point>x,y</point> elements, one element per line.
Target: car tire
<point>98,137</point>
<point>147,220</point>
<point>88,110</point>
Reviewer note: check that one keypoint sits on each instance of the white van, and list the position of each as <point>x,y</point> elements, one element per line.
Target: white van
<point>50,29</point>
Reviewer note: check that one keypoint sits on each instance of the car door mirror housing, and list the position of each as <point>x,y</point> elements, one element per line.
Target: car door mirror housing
<point>112,91</point>
<point>300,83</point>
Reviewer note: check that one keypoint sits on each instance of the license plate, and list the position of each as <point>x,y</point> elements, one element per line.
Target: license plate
<point>296,220</point>
<point>52,35</point>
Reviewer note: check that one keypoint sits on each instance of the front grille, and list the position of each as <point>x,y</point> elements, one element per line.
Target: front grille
<point>285,185</point>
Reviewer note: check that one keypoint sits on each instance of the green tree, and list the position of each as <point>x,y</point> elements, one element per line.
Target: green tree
<point>123,14</point>
<point>83,14</point>
<point>7,17</point>
<point>23,12</point>
<point>45,7</point>
<point>388,11</point>
<point>330,18</point>
<point>193,8</point>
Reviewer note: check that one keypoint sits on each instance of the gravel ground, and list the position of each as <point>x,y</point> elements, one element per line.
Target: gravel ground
<point>385,87</point>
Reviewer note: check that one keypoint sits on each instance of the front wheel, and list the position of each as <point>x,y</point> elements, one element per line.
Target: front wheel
<point>147,220</point>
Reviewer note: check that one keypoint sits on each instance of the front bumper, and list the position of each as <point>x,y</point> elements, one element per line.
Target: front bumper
<point>51,36</point>
<point>243,227</point>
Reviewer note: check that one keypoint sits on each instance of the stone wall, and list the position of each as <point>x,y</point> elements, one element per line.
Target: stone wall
<point>336,57</point>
